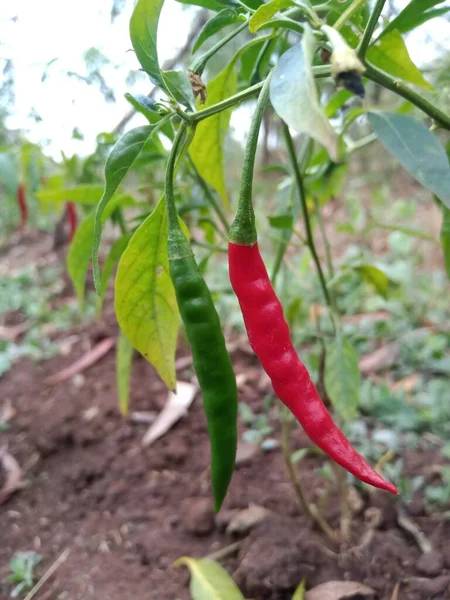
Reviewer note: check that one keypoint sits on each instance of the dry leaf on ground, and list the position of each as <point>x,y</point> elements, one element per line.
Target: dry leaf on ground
<point>380,359</point>
<point>83,363</point>
<point>341,590</point>
<point>13,474</point>
<point>175,408</point>
<point>246,519</point>
<point>9,334</point>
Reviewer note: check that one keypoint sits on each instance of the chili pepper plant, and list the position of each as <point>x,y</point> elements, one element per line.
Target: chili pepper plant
<point>306,70</point>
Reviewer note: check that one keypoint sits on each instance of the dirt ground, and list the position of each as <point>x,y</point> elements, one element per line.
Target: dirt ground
<point>126,512</point>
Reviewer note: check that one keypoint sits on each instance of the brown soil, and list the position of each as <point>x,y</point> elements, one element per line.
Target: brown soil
<point>127,512</point>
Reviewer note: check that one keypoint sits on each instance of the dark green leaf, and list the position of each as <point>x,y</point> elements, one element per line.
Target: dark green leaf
<point>143,32</point>
<point>224,18</point>
<point>342,377</point>
<point>414,14</point>
<point>145,105</point>
<point>390,54</point>
<point>119,162</point>
<point>211,4</point>
<point>417,150</point>
<point>177,84</point>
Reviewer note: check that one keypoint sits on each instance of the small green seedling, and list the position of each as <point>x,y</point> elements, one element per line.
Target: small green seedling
<point>22,567</point>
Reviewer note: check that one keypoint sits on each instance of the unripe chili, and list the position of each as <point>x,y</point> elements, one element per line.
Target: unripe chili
<point>268,331</point>
<point>211,360</point>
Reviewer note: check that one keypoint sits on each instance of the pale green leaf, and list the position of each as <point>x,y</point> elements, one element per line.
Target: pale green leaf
<point>225,17</point>
<point>83,194</point>
<point>206,149</point>
<point>112,259</point>
<point>210,581</point>
<point>390,54</point>
<point>144,32</point>
<point>121,158</point>
<point>416,149</point>
<point>342,377</point>
<point>375,277</point>
<point>124,360</point>
<point>145,302</point>
<point>445,238</point>
<point>299,593</point>
<point>294,96</point>
<point>266,12</point>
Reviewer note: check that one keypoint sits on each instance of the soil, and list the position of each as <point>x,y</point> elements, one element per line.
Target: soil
<point>126,512</point>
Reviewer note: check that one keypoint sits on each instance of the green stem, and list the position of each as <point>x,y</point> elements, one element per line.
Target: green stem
<point>209,246</point>
<point>210,197</point>
<point>326,241</point>
<point>243,229</point>
<point>348,13</point>
<point>370,28</point>
<point>301,192</point>
<point>198,66</point>
<point>172,215</point>
<point>397,86</point>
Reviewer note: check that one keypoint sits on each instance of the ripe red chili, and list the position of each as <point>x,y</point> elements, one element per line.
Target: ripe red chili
<point>22,202</point>
<point>269,337</point>
<point>72,220</point>
<point>268,331</point>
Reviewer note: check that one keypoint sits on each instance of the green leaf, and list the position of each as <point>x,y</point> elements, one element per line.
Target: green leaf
<point>445,238</point>
<point>114,255</point>
<point>145,105</point>
<point>390,54</point>
<point>124,360</point>
<point>299,593</point>
<point>416,149</point>
<point>211,4</point>
<point>79,256</point>
<point>414,14</point>
<point>375,277</point>
<point>145,302</point>
<point>281,221</point>
<point>265,12</point>
<point>84,194</point>
<point>177,84</point>
<point>80,251</point>
<point>122,156</point>
<point>225,17</point>
<point>342,377</point>
<point>206,149</point>
<point>143,33</point>
<point>209,581</point>
<point>294,96</point>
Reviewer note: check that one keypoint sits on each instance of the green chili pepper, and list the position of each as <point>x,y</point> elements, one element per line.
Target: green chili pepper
<point>211,360</point>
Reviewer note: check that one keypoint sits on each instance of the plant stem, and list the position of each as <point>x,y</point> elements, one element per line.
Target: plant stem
<point>301,192</point>
<point>348,13</point>
<point>325,238</point>
<point>370,28</point>
<point>199,64</point>
<point>210,197</point>
<point>319,72</point>
<point>346,511</point>
<point>310,510</point>
<point>397,86</point>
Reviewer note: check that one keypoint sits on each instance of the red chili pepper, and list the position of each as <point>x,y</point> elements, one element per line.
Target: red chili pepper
<point>72,220</point>
<point>22,202</point>
<point>268,331</point>
<point>269,337</point>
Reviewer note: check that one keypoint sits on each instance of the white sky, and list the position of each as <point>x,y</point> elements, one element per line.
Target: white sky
<point>63,29</point>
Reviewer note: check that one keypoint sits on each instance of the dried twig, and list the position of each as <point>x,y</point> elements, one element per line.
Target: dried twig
<point>58,562</point>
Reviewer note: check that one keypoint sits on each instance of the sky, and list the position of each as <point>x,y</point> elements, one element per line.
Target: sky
<point>63,30</point>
